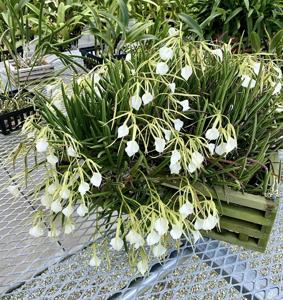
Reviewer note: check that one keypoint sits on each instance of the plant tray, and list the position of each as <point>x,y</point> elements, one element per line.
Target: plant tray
<point>245,219</point>
<point>93,56</point>
<point>12,121</point>
<point>33,74</point>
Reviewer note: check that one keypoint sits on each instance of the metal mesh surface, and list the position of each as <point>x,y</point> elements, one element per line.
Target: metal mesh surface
<point>45,268</point>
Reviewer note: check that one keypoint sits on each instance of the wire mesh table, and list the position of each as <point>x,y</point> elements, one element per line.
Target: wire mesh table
<point>57,268</point>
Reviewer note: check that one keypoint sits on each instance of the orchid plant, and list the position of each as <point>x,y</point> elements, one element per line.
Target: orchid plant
<point>115,142</point>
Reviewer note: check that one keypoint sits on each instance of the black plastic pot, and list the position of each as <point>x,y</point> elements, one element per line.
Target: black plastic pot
<point>12,121</point>
<point>93,56</point>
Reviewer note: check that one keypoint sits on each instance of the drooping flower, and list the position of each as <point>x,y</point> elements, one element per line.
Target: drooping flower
<point>36,230</point>
<point>220,149</point>
<point>211,148</point>
<point>161,225</point>
<point>176,231</point>
<point>248,82</point>
<point>186,209</point>
<point>166,53</point>
<point>116,243</point>
<point>152,238</point>
<point>46,200</point>
<point>69,228</point>
<point>95,261</point>
<point>218,52</point>
<point>199,224</point>
<point>210,222</point>
<point>54,232</point>
<point>71,152</point>
<point>212,134</point>
<point>65,193</point>
<point>147,98</point>
<point>82,210</point>
<point>159,144</point>
<point>158,250</point>
<point>167,134</point>
<point>56,206</point>
<point>68,211</point>
<point>41,145</point>
<point>123,131</point>
<point>230,145</point>
<point>162,68</point>
<point>172,31</point>
<point>13,190</point>
<point>52,159</point>
<point>191,167</point>
<point>52,188</point>
<point>128,57</point>
<point>83,188</point>
<point>185,105</point>
<point>197,158</point>
<point>132,148</point>
<point>186,72</point>
<point>135,239</point>
<point>256,68</point>
<point>172,87</point>
<point>178,124</point>
<point>136,102</point>
<point>175,168</point>
<point>277,89</point>
<point>96,179</point>
<point>175,156</point>
<point>142,266</point>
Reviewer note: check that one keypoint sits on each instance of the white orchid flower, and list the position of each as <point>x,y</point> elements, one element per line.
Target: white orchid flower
<point>161,225</point>
<point>186,209</point>
<point>82,210</point>
<point>186,72</point>
<point>176,231</point>
<point>116,243</point>
<point>68,211</point>
<point>96,179</point>
<point>136,102</point>
<point>123,131</point>
<point>166,53</point>
<point>162,68</point>
<point>37,230</point>
<point>132,148</point>
<point>248,82</point>
<point>56,206</point>
<point>158,250</point>
<point>147,98</point>
<point>153,238</point>
<point>178,124</point>
<point>41,145</point>
<point>159,144</point>
<point>95,261</point>
<point>212,134</point>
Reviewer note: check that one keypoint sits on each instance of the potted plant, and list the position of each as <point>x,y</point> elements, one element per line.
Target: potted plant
<point>153,141</point>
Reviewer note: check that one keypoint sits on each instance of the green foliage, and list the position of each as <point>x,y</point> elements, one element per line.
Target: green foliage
<point>255,20</point>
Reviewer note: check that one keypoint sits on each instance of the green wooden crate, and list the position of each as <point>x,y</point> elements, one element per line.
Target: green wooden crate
<point>245,219</point>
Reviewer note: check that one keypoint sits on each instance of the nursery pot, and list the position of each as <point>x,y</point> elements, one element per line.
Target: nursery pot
<point>13,120</point>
